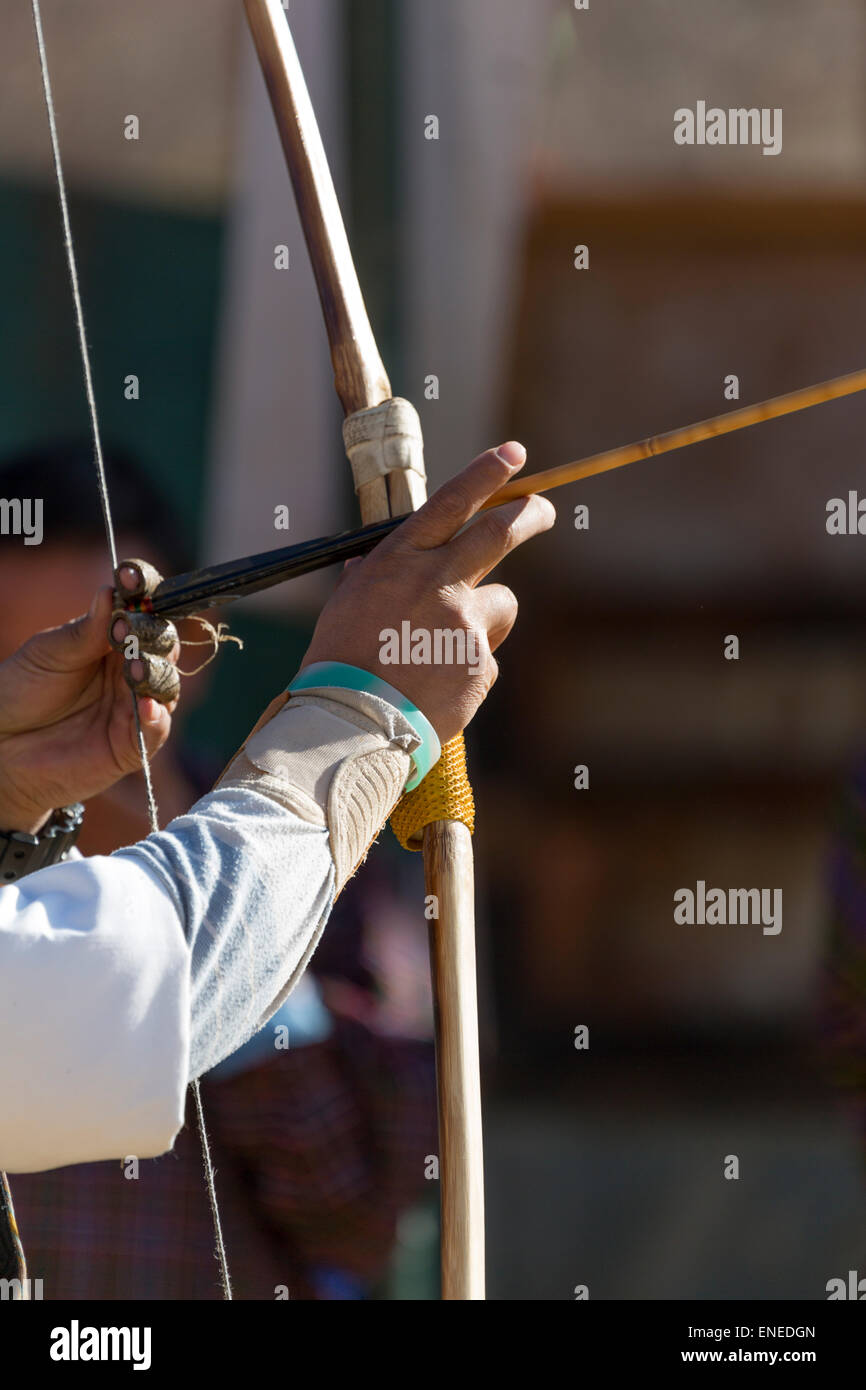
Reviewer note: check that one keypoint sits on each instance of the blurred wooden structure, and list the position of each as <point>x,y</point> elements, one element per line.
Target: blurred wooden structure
<point>700,768</point>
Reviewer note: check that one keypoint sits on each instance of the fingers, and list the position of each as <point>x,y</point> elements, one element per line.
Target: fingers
<point>135,579</point>
<point>349,568</point>
<point>149,645</point>
<point>153,676</point>
<point>155,729</point>
<point>472,555</point>
<point>496,612</point>
<point>458,500</point>
<point>133,631</point>
<point>155,724</point>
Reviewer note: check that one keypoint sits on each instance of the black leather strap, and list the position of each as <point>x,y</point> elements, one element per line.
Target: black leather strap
<point>22,854</point>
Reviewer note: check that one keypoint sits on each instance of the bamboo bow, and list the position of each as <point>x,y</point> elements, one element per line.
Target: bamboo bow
<point>362,384</point>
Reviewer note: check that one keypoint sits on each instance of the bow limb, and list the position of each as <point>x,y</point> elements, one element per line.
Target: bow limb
<point>383,439</point>
<point>13,1265</point>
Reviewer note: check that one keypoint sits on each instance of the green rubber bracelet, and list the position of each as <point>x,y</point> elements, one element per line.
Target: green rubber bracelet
<point>334,675</point>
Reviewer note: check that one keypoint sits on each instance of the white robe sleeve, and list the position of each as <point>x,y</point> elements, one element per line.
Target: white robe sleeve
<point>122,977</point>
<point>94,1028</point>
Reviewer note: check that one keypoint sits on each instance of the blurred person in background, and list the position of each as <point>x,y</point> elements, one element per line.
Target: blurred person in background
<point>319,1146</point>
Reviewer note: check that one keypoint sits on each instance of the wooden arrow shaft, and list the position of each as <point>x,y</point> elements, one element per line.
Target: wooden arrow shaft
<point>189,593</point>
<point>680,438</point>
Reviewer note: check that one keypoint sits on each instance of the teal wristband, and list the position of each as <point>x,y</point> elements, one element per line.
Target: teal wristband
<point>334,675</point>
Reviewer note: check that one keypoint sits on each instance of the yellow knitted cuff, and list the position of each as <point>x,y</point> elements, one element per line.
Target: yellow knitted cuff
<point>445,794</point>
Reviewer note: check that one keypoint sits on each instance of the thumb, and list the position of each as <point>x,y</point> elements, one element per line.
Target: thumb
<point>349,568</point>
<point>81,641</point>
<point>457,501</point>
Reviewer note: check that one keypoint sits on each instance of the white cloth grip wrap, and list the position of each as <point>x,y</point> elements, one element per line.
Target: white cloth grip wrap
<point>338,762</point>
<point>384,439</point>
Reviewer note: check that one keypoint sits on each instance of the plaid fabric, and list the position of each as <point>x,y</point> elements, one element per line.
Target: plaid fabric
<point>843,995</point>
<point>317,1151</point>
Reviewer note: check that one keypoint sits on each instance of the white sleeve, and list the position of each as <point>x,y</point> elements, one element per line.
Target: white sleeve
<point>122,977</point>
<point>94,1027</point>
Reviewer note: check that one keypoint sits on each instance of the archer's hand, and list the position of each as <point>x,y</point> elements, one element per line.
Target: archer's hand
<point>67,729</point>
<point>427,574</point>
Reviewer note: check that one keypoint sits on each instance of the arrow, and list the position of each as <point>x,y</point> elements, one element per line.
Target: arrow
<point>189,593</point>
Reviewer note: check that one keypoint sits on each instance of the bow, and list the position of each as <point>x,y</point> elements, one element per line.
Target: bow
<point>13,1265</point>
<point>383,440</point>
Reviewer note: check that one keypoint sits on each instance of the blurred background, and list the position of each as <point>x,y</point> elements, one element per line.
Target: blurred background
<point>605,1164</point>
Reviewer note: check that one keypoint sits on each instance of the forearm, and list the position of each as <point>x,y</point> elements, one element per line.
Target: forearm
<point>130,974</point>
<point>251,885</point>
<point>255,866</point>
<point>126,976</point>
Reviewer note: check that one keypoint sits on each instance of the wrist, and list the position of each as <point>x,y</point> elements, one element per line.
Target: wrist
<point>22,818</point>
<point>326,676</point>
<point>23,852</point>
